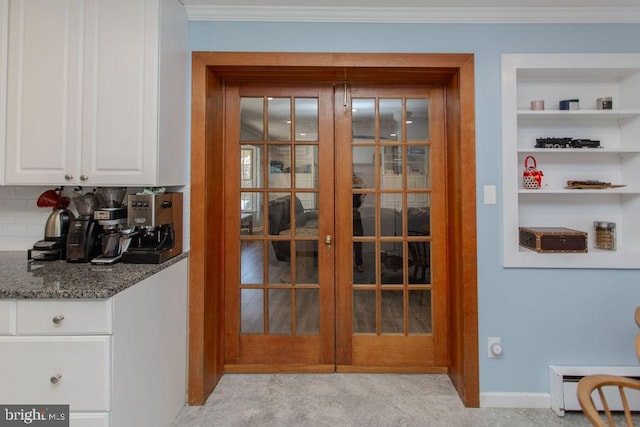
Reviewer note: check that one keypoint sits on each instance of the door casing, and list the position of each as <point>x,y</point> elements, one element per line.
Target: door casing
<point>210,71</point>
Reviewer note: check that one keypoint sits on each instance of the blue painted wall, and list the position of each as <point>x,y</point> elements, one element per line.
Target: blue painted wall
<point>544,316</point>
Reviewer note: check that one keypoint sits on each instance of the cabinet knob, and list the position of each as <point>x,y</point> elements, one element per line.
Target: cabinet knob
<point>55,378</point>
<point>83,177</point>
<point>59,318</point>
<point>68,177</point>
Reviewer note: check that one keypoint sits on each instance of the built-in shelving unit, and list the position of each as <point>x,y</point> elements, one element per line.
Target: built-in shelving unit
<point>552,78</point>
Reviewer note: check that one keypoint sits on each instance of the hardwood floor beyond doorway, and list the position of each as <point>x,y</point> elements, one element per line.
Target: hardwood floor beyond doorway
<point>419,314</point>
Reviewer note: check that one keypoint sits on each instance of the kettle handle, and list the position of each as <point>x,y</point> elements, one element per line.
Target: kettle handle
<point>66,218</point>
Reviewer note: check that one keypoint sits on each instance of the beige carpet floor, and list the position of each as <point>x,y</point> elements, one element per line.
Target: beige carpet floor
<point>354,400</point>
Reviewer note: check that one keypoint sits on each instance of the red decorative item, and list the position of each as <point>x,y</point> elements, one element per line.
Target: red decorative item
<point>49,198</point>
<point>63,203</point>
<point>531,177</point>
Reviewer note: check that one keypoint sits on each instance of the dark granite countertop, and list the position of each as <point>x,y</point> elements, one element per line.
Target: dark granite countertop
<point>63,280</point>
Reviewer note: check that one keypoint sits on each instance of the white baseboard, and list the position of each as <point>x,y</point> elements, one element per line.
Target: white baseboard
<point>515,400</point>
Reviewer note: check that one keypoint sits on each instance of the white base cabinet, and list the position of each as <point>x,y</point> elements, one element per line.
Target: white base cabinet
<point>150,350</point>
<point>116,362</point>
<point>97,92</point>
<point>586,77</point>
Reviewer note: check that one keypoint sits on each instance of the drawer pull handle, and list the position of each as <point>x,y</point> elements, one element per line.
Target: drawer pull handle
<point>54,380</point>
<point>58,319</point>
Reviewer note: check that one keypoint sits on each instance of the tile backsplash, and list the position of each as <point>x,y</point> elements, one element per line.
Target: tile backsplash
<point>22,221</point>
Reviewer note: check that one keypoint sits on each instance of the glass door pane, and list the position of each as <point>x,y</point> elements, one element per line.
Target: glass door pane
<point>279,259</point>
<point>391,223</point>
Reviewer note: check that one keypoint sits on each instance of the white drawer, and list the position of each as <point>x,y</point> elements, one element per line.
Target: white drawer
<point>83,419</point>
<point>63,317</point>
<point>7,312</point>
<point>56,370</point>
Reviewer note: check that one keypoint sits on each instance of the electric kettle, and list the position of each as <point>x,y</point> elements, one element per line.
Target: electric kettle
<point>57,225</point>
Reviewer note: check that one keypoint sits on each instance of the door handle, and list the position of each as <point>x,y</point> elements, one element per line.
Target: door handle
<point>328,241</point>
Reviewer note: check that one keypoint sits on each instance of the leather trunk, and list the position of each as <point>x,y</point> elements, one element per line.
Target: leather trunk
<point>553,239</point>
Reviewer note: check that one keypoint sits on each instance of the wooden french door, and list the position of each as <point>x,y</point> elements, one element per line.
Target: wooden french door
<point>390,291</point>
<point>279,295</point>
<point>334,254</point>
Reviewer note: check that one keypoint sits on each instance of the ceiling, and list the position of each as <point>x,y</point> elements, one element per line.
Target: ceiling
<point>417,11</point>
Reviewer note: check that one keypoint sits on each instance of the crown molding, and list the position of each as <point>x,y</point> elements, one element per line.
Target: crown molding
<point>415,14</point>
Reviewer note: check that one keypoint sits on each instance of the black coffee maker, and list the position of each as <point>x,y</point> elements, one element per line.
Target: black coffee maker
<point>83,243</point>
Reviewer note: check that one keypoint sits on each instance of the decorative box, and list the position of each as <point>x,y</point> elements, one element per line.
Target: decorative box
<point>553,239</point>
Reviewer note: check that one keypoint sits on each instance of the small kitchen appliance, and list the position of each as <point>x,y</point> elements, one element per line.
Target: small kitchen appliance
<point>157,221</point>
<point>83,243</point>
<point>53,246</point>
<point>112,217</point>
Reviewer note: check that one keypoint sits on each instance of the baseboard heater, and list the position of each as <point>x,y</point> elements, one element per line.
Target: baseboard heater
<point>563,385</point>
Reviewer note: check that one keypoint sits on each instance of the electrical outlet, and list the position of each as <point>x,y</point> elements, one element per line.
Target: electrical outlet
<point>494,348</point>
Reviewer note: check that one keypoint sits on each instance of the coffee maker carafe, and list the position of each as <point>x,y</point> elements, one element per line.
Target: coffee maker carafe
<point>157,220</point>
<point>82,241</point>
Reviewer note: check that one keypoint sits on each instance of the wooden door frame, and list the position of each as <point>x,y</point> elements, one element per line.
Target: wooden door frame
<point>210,70</point>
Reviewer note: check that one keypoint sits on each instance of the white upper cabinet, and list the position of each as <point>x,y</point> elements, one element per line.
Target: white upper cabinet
<point>586,77</point>
<point>98,93</point>
<point>135,102</point>
<point>43,95</point>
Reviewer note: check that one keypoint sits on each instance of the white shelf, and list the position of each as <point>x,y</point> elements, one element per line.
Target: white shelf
<point>552,78</point>
<point>593,259</point>
<point>577,192</point>
<point>583,114</point>
<point>595,151</point>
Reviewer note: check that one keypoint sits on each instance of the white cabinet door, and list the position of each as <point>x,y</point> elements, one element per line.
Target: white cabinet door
<point>4,36</point>
<point>43,95</point>
<point>135,95</point>
<point>57,370</point>
<point>134,123</point>
<point>120,93</point>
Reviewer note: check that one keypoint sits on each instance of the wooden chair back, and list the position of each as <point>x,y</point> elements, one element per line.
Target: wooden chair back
<point>591,383</point>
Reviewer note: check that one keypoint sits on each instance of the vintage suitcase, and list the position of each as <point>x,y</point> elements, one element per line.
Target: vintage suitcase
<point>553,239</point>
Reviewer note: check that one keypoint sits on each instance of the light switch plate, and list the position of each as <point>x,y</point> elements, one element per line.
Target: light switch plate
<point>489,194</point>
